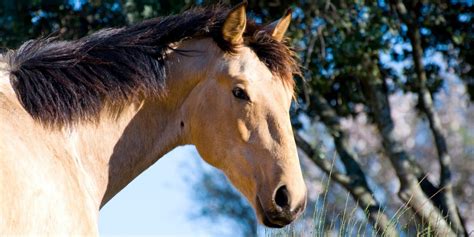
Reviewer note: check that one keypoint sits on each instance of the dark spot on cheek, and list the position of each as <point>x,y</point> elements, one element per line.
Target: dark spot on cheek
<point>182,124</point>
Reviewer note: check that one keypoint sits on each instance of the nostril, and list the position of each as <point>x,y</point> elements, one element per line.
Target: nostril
<point>282,197</point>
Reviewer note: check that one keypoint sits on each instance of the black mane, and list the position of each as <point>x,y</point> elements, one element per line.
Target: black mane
<point>59,82</point>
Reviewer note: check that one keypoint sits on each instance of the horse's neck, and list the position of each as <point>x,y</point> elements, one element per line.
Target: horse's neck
<point>116,150</point>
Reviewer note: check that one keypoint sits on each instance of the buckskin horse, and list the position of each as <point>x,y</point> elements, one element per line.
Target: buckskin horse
<point>81,119</point>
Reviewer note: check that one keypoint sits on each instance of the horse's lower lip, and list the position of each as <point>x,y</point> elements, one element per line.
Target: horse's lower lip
<point>266,221</point>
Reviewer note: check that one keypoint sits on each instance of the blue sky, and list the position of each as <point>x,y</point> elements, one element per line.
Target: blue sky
<point>158,202</point>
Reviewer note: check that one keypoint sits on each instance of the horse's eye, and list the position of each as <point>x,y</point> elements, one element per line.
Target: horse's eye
<point>240,93</point>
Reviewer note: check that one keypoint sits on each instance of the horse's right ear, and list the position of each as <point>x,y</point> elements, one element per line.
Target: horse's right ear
<point>234,24</point>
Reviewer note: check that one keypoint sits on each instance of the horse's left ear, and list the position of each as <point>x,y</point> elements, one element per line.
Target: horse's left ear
<point>277,29</point>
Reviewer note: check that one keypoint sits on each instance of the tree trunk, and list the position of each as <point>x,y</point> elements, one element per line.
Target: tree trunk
<point>448,204</point>
<point>410,190</point>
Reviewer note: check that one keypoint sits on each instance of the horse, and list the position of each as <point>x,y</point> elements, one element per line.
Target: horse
<point>81,119</point>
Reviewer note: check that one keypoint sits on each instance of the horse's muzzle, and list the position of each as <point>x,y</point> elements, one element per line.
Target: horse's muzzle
<point>282,213</point>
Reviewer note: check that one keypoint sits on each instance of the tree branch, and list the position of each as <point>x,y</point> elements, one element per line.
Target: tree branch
<point>355,184</point>
<point>322,163</point>
<point>349,158</point>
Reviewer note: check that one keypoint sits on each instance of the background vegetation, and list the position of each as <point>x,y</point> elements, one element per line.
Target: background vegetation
<point>384,109</point>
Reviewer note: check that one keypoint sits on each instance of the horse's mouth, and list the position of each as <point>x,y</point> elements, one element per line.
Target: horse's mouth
<point>266,220</point>
<point>268,223</point>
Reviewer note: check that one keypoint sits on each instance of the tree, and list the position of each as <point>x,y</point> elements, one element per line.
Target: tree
<point>357,34</point>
